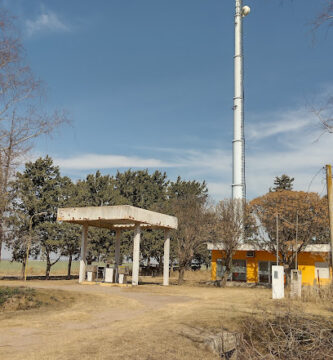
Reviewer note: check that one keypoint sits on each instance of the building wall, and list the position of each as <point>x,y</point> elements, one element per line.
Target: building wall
<point>306,263</point>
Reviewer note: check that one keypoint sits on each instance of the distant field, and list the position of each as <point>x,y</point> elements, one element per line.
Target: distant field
<point>37,267</point>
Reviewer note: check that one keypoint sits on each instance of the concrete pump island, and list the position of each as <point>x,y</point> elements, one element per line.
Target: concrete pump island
<point>120,218</point>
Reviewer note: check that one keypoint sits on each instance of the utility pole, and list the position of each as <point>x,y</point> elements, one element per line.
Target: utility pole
<point>277,239</point>
<point>330,204</point>
<point>238,153</point>
<point>296,239</point>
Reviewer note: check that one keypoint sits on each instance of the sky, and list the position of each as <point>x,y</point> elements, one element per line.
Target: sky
<point>149,84</point>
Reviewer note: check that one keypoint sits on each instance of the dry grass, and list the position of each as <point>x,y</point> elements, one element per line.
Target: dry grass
<point>319,295</point>
<point>145,322</point>
<point>191,278</point>
<point>36,267</point>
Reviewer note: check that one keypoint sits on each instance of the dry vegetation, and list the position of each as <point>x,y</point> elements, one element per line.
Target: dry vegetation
<point>156,322</point>
<point>319,295</point>
<point>286,336</point>
<point>13,299</point>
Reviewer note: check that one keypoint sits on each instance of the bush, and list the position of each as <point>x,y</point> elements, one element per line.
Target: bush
<point>288,336</point>
<point>17,295</point>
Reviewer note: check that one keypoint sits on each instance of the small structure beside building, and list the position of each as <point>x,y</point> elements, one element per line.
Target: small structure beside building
<point>119,218</point>
<point>254,265</point>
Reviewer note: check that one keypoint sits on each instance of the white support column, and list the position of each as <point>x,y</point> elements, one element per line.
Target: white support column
<point>136,255</point>
<point>166,258</point>
<point>83,261</point>
<point>117,255</point>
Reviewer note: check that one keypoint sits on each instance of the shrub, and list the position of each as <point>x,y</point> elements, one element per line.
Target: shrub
<point>288,336</point>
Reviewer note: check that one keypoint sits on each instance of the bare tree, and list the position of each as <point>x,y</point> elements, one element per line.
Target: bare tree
<point>302,220</point>
<point>324,114</point>
<point>229,231</point>
<point>22,118</point>
<point>196,222</point>
<point>325,16</point>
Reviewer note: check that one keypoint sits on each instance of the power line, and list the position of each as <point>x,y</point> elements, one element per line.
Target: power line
<point>313,178</point>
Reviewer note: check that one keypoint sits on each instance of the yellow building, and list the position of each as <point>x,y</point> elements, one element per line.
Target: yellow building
<point>253,265</point>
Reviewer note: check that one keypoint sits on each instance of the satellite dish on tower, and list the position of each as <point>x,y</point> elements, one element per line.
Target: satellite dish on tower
<point>246,10</point>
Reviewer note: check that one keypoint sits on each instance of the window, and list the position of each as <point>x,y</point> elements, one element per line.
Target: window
<point>250,254</point>
<point>322,270</point>
<point>238,271</point>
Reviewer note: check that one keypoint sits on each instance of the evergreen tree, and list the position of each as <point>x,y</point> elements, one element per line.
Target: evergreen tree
<point>38,193</point>
<point>99,190</point>
<point>142,189</point>
<point>147,191</point>
<point>283,182</point>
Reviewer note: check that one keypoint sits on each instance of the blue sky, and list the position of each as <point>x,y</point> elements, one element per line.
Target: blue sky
<point>149,84</point>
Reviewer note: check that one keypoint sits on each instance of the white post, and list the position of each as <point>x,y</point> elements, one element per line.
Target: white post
<point>136,255</point>
<point>238,176</point>
<point>117,255</point>
<point>277,282</point>
<point>166,258</point>
<point>82,275</point>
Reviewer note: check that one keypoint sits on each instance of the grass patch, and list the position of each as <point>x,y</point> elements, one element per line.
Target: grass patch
<point>22,298</point>
<point>18,298</point>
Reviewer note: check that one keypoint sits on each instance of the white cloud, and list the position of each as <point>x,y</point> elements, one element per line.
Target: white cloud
<point>46,21</point>
<point>98,161</point>
<point>279,123</point>
<point>213,159</point>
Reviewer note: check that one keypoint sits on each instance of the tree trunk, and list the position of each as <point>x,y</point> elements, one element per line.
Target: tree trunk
<point>23,269</point>
<point>48,267</point>
<point>69,267</point>
<point>181,275</point>
<point>287,271</point>
<point>160,266</point>
<point>1,235</point>
<point>227,272</point>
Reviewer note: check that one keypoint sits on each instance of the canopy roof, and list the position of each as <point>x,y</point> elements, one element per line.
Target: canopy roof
<point>122,217</point>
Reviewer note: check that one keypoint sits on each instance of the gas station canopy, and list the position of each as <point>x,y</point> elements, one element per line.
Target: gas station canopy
<point>121,217</point>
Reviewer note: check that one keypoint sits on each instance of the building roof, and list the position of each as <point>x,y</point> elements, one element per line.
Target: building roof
<point>251,247</point>
<point>122,217</point>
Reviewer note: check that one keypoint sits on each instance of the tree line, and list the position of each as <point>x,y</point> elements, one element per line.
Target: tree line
<point>37,192</point>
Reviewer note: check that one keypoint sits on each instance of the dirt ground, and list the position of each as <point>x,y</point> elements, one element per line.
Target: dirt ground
<point>145,322</point>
